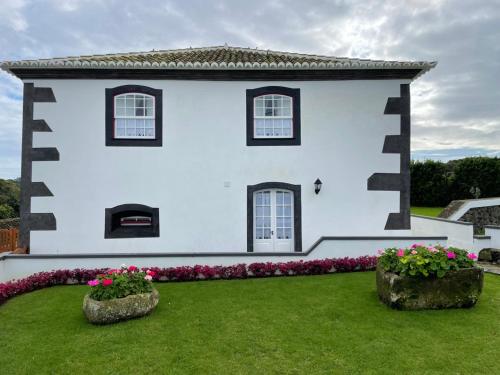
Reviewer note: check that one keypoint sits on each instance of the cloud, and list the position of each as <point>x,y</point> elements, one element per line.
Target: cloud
<point>456,106</point>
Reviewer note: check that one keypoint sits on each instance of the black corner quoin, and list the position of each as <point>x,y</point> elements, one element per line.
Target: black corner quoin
<point>110,104</point>
<point>297,211</point>
<point>113,227</point>
<point>268,90</point>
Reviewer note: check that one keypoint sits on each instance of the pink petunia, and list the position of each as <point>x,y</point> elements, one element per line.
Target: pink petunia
<point>472,256</point>
<point>150,273</point>
<point>451,255</point>
<point>93,282</point>
<point>132,268</point>
<point>414,252</point>
<point>107,282</point>
<point>148,277</point>
<point>400,253</point>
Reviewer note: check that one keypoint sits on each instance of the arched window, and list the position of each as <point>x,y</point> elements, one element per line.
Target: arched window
<point>133,116</point>
<point>132,221</point>
<point>273,116</point>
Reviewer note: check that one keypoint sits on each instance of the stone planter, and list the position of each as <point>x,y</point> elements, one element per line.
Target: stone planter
<point>114,310</point>
<point>456,289</point>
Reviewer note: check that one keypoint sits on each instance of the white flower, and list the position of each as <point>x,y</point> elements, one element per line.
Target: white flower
<point>123,266</point>
<point>148,277</point>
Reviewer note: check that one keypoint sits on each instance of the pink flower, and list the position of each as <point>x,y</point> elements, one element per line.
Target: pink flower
<point>93,282</point>
<point>401,253</point>
<point>107,282</point>
<point>148,277</point>
<point>415,245</point>
<point>414,252</point>
<point>132,268</point>
<point>380,252</point>
<point>472,256</point>
<point>451,255</point>
<point>150,273</point>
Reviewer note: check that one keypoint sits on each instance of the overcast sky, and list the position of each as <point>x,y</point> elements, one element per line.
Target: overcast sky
<point>455,107</point>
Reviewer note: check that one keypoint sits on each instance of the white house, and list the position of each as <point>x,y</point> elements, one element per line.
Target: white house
<point>213,155</point>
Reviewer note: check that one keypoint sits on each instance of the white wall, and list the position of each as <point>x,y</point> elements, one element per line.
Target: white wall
<point>474,203</point>
<point>494,233</point>
<point>460,234</point>
<point>18,266</point>
<point>204,145</point>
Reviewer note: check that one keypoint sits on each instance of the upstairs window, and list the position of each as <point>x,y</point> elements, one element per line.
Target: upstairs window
<point>133,116</point>
<point>273,116</point>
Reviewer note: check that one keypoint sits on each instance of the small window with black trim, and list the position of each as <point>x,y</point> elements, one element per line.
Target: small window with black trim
<point>131,221</point>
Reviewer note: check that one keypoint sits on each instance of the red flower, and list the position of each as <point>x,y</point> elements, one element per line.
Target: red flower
<point>150,273</point>
<point>132,269</point>
<point>107,282</point>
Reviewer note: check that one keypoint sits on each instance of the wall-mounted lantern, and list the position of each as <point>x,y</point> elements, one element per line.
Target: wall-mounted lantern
<point>317,185</point>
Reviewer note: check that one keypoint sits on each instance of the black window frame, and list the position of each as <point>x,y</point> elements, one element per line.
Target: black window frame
<point>297,212</point>
<point>269,90</point>
<point>110,114</point>
<point>112,215</point>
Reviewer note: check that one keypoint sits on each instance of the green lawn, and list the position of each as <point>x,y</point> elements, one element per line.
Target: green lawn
<point>330,324</point>
<point>427,211</point>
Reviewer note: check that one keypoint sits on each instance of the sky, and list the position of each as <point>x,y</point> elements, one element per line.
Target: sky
<point>455,107</point>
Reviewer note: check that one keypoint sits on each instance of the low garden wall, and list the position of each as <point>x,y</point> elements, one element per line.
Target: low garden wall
<point>19,266</point>
<point>9,223</point>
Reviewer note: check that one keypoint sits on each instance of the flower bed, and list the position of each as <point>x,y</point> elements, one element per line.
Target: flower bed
<point>240,271</point>
<point>428,277</point>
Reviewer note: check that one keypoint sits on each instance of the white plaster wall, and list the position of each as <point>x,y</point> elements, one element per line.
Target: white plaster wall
<point>459,234</point>
<point>474,203</point>
<point>19,266</point>
<point>494,233</point>
<point>204,145</point>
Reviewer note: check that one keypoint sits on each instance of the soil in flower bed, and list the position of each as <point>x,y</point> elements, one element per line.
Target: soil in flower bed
<point>313,324</point>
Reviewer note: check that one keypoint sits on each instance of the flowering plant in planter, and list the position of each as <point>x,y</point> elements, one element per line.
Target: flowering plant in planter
<point>421,260</point>
<point>120,283</point>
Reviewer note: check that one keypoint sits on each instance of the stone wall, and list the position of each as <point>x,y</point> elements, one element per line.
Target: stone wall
<point>481,216</point>
<point>9,223</point>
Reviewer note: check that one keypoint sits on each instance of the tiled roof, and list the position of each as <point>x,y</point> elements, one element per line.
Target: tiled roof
<point>221,57</point>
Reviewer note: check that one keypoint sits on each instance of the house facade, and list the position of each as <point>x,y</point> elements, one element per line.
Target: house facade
<point>214,150</point>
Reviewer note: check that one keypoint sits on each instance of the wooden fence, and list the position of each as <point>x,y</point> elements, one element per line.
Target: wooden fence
<point>8,239</point>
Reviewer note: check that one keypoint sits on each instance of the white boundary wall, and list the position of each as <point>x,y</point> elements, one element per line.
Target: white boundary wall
<point>474,203</point>
<point>18,266</point>
<point>459,233</point>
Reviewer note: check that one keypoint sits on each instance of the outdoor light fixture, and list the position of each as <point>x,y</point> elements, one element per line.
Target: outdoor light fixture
<point>317,185</point>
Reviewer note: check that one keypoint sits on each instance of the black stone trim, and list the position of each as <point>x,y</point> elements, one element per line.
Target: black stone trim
<point>111,215</point>
<point>491,226</point>
<point>218,74</point>
<point>40,126</point>
<point>156,93</point>
<point>212,254</point>
<point>44,154</point>
<point>42,221</point>
<point>28,220</point>
<point>43,95</point>
<point>481,237</point>
<point>397,144</point>
<point>279,90</point>
<point>297,211</point>
<point>39,189</point>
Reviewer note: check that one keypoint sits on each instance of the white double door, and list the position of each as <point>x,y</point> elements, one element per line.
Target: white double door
<point>273,220</point>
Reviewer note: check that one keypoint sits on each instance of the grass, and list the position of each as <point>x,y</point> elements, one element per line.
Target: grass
<point>330,324</point>
<point>427,211</point>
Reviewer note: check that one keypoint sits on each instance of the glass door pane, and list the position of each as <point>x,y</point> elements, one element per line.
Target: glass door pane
<point>263,215</point>
<point>283,215</point>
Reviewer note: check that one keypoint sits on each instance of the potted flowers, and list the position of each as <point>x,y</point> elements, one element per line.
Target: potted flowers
<point>428,277</point>
<point>120,294</point>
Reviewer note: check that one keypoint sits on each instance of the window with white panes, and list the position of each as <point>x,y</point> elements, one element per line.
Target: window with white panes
<point>134,116</point>
<point>273,116</point>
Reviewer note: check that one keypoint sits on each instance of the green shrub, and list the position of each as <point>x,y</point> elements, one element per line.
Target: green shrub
<point>426,261</point>
<point>120,283</point>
